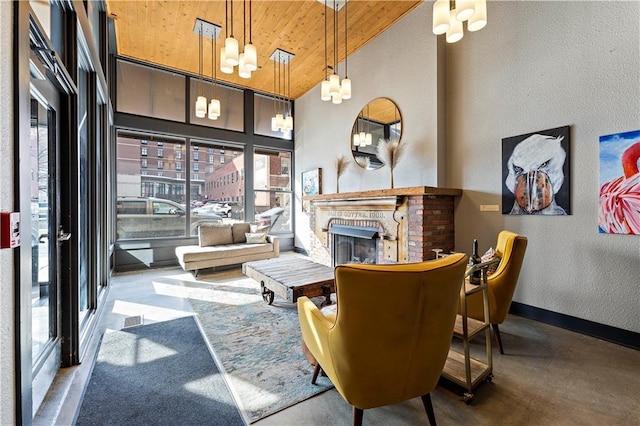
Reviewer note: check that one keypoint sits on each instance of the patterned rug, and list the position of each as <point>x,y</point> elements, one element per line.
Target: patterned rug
<point>257,345</point>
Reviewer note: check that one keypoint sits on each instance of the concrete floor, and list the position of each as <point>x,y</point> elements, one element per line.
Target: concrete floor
<point>547,375</point>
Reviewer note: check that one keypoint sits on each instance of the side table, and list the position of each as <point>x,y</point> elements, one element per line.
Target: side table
<point>460,367</point>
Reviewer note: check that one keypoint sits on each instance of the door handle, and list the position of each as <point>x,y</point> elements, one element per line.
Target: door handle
<point>42,237</point>
<point>63,236</point>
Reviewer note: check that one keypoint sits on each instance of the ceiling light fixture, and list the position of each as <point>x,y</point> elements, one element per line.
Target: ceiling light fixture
<point>282,120</point>
<point>332,88</point>
<point>448,17</point>
<point>210,31</point>
<point>230,56</point>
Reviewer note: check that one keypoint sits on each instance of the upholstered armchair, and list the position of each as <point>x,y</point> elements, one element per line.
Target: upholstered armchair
<point>501,284</point>
<point>389,340</point>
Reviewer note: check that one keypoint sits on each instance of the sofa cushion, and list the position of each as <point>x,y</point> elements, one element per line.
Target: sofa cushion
<point>214,235</point>
<point>256,238</point>
<point>196,253</point>
<point>238,230</point>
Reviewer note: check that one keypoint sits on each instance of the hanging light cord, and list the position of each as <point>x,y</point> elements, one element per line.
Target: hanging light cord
<point>200,60</point>
<point>335,37</point>
<point>326,53</point>
<point>226,18</point>
<point>250,24</point>
<point>289,83</point>
<point>231,18</point>
<point>244,21</point>
<point>346,67</point>
<point>214,59</point>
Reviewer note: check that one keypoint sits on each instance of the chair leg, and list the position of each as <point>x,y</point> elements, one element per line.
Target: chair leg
<point>316,372</point>
<point>496,333</point>
<point>426,401</point>
<point>357,416</point>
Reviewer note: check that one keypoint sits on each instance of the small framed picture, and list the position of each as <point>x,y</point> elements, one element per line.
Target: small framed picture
<point>311,185</point>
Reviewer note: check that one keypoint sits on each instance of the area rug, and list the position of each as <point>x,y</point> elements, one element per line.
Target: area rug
<point>257,345</point>
<point>157,374</point>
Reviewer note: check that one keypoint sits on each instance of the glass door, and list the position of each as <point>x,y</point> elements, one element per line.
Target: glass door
<point>46,235</point>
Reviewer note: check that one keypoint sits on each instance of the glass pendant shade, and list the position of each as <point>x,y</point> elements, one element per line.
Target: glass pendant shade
<point>479,19</point>
<point>362,136</point>
<point>215,106</point>
<point>454,33</point>
<point>345,88</point>
<point>279,121</point>
<point>201,107</point>
<point>288,123</point>
<point>274,124</point>
<point>356,139</point>
<point>465,9</point>
<point>441,16</point>
<point>250,57</point>
<point>324,91</point>
<point>212,110</point>
<point>367,139</point>
<point>243,72</point>
<point>232,54</point>
<point>224,66</point>
<point>334,85</point>
<point>336,99</point>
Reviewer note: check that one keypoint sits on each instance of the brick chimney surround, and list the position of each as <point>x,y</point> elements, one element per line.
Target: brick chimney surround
<point>411,221</point>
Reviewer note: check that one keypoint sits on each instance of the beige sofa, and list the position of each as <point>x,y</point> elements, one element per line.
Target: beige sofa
<point>226,244</point>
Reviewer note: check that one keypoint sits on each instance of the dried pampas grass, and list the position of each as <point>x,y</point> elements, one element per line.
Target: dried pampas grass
<point>389,152</point>
<point>342,163</point>
<point>363,161</point>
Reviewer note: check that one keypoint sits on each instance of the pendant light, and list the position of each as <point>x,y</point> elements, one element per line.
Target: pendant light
<point>214,105</point>
<point>282,119</point>
<point>211,31</point>
<point>201,101</point>
<point>250,51</point>
<point>230,43</point>
<point>331,87</point>
<point>448,20</point>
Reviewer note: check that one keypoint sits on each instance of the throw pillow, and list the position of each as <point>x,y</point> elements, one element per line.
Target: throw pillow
<point>256,238</point>
<point>238,230</point>
<point>214,235</point>
<point>490,255</point>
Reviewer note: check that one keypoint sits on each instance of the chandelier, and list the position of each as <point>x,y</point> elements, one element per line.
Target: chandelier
<point>331,87</point>
<point>230,55</point>
<point>282,119</point>
<point>448,17</point>
<point>211,31</point>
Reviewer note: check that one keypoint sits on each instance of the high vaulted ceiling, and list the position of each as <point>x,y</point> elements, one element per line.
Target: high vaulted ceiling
<point>162,32</point>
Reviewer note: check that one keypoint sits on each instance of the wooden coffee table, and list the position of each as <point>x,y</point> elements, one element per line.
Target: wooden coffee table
<point>291,277</point>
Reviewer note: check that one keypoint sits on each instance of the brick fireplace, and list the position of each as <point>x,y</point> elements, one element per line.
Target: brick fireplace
<point>410,221</point>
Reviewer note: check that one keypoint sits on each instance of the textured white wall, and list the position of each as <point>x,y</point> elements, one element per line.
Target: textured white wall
<point>540,65</point>
<point>399,64</point>
<point>7,326</point>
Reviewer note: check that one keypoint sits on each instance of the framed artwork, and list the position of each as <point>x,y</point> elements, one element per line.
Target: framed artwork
<point>535,173</point>
<point>619,194</point>
<point>311,185</point>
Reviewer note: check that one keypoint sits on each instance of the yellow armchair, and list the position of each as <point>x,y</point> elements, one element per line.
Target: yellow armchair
<point>390,337</point>
<point>502,283</point>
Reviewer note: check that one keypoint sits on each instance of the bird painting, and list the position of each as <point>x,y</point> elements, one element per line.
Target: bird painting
<point>535,174</point>
<point>619,200</point>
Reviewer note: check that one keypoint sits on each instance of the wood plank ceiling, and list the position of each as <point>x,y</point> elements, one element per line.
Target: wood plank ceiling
<point>161,32</point>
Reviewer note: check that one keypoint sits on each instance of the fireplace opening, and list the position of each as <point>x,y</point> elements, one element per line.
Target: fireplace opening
<point>353,244</point>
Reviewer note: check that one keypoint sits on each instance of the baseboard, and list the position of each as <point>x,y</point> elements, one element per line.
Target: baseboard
<point>590,328</point>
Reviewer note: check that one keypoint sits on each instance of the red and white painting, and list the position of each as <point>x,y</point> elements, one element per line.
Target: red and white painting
<point>619,201</point>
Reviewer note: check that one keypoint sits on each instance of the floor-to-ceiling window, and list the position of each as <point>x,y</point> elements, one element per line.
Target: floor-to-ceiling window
<point>211,169</point>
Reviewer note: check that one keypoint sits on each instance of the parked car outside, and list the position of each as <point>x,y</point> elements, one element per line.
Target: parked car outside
<point>220,208</point>
<point>149,217</point>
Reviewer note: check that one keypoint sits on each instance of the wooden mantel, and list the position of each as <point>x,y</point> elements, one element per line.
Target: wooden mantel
<point>409,191</point>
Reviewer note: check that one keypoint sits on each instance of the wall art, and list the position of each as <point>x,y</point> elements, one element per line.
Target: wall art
<point>535,173</point>
<point>619,200</point>
<point>311,185</point>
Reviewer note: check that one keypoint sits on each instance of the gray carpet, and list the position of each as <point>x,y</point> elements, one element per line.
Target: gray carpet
<point>157,374</point>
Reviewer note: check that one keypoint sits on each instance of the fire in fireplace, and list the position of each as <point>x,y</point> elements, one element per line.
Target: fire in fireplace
<point>353,244</point>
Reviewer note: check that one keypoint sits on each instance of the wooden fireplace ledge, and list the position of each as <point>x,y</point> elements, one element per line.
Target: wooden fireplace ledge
<point>408,191</point>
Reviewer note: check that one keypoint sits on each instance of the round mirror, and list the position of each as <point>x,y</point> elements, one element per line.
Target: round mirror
<point>379,119</point>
